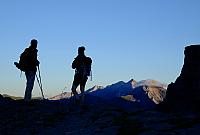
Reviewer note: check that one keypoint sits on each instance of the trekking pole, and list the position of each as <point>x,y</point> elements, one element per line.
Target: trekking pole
<point>91,75</point>
<point>40,86</point>
<point>40,82</point>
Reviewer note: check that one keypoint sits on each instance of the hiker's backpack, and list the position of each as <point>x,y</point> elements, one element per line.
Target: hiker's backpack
<point>88,64</point>
<point>82,65</point>
<point>22,64</point>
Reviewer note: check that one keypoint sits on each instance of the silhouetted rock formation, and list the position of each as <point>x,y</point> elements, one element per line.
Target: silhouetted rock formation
<point>185,92</point>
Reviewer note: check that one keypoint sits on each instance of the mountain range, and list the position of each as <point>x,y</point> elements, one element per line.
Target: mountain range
<point>145,93</point>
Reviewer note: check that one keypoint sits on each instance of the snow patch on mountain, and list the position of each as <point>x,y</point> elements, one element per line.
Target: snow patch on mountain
<point>151,83</point>
<point>96,87</point>
<point>63,95</point>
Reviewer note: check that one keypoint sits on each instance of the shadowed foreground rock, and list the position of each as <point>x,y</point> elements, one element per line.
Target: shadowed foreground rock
<point>185,92</point>
<point>59,117</point>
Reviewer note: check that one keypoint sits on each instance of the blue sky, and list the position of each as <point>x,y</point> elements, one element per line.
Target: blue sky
<point>126,39</point>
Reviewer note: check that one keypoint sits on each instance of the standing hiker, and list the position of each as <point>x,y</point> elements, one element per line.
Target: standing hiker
<point>82,66</point>
<point>28,63</point>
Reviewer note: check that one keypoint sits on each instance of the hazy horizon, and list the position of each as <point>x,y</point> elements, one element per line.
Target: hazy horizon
<point>128,39</point>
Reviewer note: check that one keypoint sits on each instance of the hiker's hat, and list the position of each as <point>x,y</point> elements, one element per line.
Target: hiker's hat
<point>81,49</point>
<point>34,43</point>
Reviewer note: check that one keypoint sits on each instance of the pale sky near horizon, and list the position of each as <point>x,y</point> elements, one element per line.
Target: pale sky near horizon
<point>127,39</point>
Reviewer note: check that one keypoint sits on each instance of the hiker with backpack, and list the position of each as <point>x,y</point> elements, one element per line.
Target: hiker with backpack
<point>28,63</point>
<point>82,66</point>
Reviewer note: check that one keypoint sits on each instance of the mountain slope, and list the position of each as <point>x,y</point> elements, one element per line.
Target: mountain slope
<point>115,90</point>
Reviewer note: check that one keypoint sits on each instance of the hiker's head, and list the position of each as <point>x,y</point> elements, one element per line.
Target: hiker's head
<point>34,43</point>
<point>81,50</point>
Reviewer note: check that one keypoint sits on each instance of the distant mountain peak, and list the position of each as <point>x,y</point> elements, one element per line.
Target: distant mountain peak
<point>132,82</point>
<point>98,87</point>
<point>151,82</point>
<point>94,88</point>
<point>61,96</point>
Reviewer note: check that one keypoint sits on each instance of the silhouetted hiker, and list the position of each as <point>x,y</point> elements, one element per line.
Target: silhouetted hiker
<point>82,66</point>
<point>28,63</point>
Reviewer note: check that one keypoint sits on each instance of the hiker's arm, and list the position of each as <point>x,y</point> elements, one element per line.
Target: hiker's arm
<point>36,61</point>
<point>74,63</point>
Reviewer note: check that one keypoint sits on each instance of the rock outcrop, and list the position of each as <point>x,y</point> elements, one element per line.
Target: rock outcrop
<point>156,94</point>
<point>185,92</point>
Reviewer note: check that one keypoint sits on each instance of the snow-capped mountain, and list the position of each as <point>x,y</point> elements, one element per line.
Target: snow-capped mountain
<point>63,95</point>
<point>96,87</point>
<point>143,92</point>
<point>155,90</point>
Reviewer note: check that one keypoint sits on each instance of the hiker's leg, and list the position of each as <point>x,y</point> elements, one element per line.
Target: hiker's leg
<point>83,83</point>
<point>75,84</point>
<point>30,77</point>
<point>82,88</point>
<point>75,98</point>
<point>82,94</point>
<point>74,89</point>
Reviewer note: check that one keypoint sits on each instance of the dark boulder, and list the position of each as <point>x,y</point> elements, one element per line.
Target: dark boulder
<point>185,92</point>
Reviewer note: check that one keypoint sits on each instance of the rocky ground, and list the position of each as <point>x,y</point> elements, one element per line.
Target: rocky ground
<point>41,117</point>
